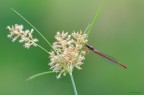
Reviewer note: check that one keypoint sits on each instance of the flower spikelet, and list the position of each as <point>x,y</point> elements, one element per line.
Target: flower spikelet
<point>24,36</point>
<point>69,52</point>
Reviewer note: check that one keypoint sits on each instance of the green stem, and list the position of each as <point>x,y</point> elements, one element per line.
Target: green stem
<point>43,48</point>
<point>73,83</point>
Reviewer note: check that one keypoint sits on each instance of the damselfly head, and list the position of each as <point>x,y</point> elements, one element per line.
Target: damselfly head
<point>89,47</point>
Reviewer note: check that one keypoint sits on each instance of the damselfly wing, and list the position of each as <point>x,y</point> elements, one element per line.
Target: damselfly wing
<point>104,56</point>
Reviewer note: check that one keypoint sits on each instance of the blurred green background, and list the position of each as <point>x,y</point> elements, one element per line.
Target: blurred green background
<point>118,31</point>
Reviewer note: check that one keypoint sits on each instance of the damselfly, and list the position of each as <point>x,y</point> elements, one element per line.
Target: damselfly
<point>104,56</point>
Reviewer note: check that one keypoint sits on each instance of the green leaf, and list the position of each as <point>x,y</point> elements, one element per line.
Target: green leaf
<point>33,28</point>
<point>100,7</point>
<point>86,29</point>
<point>39,74</point>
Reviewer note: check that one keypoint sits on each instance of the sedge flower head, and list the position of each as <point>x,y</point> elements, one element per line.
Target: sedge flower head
<point>69,52</point>
<point>25,36</point>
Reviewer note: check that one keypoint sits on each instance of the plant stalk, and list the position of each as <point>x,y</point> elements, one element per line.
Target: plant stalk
<point>73,83</point>
<point>43,48</point>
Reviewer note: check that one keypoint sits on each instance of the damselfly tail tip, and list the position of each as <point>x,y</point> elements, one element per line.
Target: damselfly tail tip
<point>124,66</point>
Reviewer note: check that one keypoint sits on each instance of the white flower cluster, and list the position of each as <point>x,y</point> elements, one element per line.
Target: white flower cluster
<point>69,52</point>
<point>25,36</point>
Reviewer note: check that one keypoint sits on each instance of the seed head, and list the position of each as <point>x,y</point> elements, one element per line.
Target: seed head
<point>69,52</point>
<point>25,36</point>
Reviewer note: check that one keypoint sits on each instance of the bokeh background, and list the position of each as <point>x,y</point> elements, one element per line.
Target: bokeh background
<point>118,31</point>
